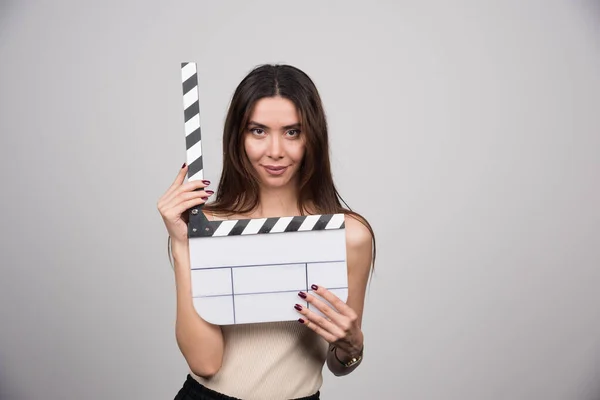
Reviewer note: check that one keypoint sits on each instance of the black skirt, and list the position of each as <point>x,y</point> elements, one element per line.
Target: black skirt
<point>194,390</point>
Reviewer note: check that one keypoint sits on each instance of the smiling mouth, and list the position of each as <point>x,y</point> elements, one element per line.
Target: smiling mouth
<point>274,170</point>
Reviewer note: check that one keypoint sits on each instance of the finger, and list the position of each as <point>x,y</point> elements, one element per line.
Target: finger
<point>318,330</point>
<point>193,186</point>
<point>180,208</point>
<point>176,183</point>
<point>324,326</point>
<point>335,301</point>
<point>179,178</point>
<point>326,310</point>
<point>171,208</point>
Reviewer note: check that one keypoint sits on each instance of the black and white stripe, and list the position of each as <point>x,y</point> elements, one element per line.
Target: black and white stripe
<point>272,225</point>
<point>191,112</point>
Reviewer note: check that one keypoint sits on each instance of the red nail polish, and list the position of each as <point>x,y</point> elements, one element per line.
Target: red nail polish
<point>302,294</point>
<point>300,320</point>
<point>183,166</point>
<point>298,307</point>
<point>204,198</point>
<point>209,192</point>
<point>206,182</point>
<point>314,287</point>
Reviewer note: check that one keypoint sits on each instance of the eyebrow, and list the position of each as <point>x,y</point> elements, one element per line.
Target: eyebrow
<point>261,126</point>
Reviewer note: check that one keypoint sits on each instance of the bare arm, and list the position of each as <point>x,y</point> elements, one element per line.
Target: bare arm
<point>340,323</point>
<point>359,247</point>
<point>200,342</point>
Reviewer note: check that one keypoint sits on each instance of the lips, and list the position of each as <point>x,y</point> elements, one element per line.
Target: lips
<point>275,169</point>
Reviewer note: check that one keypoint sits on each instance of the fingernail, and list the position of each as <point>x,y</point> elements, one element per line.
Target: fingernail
<point>206,182</point>
<point>209,191</point>
<point>204,198</point>
<point>314,287</point>
<point>183,166</point>
<point>302,294</point>
<point>298,307</point>
<point>300,320</point>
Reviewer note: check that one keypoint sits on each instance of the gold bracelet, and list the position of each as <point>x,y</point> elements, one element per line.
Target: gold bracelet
<point>353,361</point>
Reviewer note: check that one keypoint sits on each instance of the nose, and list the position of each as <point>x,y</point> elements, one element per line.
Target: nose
<point>275,148</point>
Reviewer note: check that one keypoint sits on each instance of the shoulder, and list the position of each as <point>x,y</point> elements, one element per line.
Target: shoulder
<point>359,246</point>
<point>359,259</point>
<point>358,235</point>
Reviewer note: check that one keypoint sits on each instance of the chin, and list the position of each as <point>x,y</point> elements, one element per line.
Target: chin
<point>275,183</point>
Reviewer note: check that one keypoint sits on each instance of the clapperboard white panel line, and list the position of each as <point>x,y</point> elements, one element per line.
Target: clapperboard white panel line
<point>250,270</point>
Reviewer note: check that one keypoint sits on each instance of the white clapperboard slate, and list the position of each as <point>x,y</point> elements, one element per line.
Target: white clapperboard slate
<point>251,270</point>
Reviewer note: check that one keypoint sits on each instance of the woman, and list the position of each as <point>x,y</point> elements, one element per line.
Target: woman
<point>276,163</point>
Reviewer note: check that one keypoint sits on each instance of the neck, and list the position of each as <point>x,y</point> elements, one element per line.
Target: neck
<point>276,202</point>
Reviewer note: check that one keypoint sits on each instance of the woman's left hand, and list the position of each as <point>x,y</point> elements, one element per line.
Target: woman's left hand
<point>340,326</point>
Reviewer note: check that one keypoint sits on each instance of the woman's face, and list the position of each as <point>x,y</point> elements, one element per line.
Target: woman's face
<point>274,142</point>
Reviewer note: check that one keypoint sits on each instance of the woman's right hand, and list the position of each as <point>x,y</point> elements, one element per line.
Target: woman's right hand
<point>179,198</point>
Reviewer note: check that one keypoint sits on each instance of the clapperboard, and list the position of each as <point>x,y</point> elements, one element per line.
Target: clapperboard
<point>251,270</point>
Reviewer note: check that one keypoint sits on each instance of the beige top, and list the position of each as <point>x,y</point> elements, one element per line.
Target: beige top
<point>269,361</point>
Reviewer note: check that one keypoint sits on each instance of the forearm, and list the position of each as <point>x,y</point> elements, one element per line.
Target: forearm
<point>335,357</point>
<point>200,342</point>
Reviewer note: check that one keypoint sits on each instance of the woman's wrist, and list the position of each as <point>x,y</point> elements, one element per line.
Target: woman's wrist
<point>180,250</point>
<point>344,356</point>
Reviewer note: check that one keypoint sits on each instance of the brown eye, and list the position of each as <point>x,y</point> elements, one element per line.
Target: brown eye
<point>294,132</point>
<point>257,131</point>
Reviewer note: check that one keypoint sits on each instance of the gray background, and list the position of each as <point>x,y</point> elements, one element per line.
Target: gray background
<point>467,132</point>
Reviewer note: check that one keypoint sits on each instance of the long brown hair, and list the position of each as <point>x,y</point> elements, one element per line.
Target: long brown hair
<point>238,190</point>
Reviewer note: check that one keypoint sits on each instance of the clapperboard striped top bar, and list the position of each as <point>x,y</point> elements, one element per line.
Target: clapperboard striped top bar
<point>273,225</point>
<point>191,112</point>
